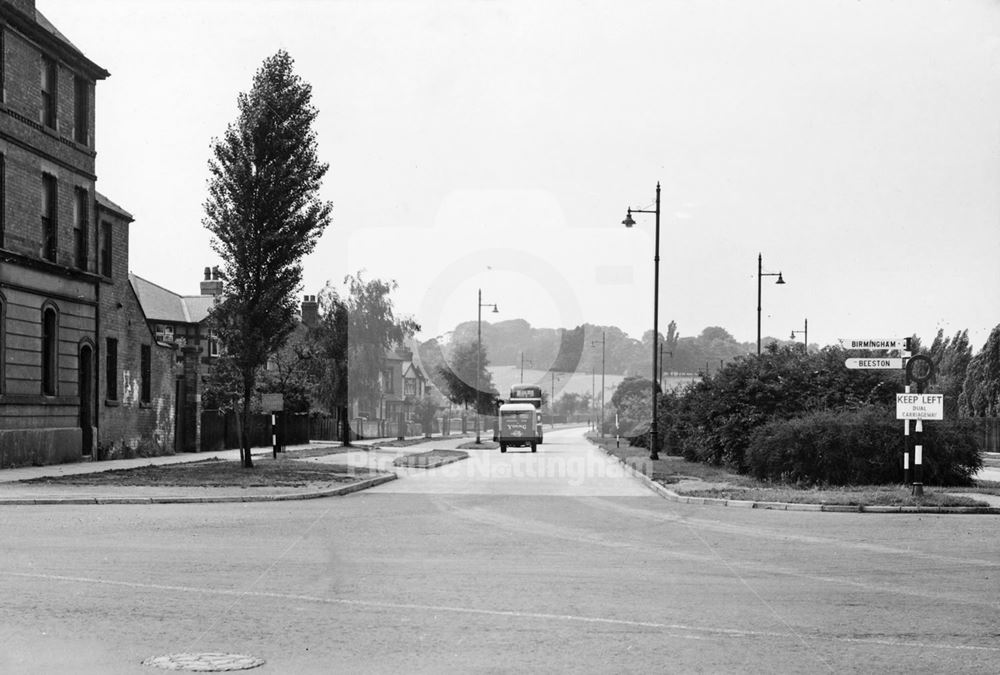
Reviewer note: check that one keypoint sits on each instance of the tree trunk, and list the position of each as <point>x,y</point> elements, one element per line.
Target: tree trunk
<point>245,414</point>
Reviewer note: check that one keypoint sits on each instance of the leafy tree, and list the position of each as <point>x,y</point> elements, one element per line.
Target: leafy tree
<point>222,386</point>
<point>951,357</point>
<point>329,346</point>
<point>713,419</point>
<point>569,403</point>
<point>425,409</point>
<point>981,390</point>
<point>373,329</point>
<point>290,372</point>
<point>265,214</point>
<point>460,379</point>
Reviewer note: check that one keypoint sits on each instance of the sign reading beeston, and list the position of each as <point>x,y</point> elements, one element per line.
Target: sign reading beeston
<point>872,343</point>
<point>873,364</point>
<point>919,407</point>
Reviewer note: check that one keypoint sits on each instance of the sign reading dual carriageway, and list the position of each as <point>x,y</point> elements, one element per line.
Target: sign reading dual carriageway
<point>919,407</point>
<point>873,343</point>
<point>874,364</point>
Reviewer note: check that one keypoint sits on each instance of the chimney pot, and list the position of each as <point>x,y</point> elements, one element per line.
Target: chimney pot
<point>310,311</point>
<point>208,274</point>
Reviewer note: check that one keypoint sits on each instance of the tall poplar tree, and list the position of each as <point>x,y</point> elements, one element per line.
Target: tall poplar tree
<point>265,213</point>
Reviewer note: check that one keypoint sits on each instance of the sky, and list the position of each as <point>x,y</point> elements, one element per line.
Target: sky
<point>494,146</point>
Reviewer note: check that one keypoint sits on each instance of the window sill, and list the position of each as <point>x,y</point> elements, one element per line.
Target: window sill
<point>109,403</point>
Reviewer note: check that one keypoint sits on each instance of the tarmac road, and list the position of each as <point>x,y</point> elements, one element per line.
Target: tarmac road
<point>499,563</point>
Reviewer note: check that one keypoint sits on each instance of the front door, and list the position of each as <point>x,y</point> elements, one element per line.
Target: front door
<point>85,386</point>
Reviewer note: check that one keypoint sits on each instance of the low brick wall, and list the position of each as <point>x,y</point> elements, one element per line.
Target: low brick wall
<point>33,447</point>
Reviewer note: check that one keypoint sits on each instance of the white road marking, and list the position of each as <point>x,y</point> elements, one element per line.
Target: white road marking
<point>681,631</point>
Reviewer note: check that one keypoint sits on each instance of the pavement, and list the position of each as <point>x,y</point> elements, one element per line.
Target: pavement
<point>367,457</point>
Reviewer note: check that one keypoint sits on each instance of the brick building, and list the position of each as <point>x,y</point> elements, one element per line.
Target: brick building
<point>79,370</point>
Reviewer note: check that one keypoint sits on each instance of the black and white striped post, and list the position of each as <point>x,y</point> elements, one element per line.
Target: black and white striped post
<point>275,448</point>
<point>906,446</point>
<point>919,369</point>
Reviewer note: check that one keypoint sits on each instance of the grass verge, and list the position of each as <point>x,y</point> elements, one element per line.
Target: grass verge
<point>266,472</point>
<point>694,479</point>
<point>482,445</point>
<point>430,459</point>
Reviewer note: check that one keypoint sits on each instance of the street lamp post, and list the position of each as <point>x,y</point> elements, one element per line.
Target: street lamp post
<point>479,351</point>
<point>654,437</point>
<point>604,339</point>
<point>522,366</point>
<point>805,336</point>
<point>760,274</point>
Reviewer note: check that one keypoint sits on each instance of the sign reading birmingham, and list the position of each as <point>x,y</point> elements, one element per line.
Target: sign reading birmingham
<point>893,343</point>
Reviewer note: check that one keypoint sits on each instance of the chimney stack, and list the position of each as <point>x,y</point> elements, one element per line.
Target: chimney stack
<point>212,285</point>
<point>310,311</point>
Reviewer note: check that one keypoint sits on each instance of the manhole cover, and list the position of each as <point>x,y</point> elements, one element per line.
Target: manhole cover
<point>212,662</point>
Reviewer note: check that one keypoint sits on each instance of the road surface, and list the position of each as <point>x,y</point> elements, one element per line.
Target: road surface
<point>553,562</point>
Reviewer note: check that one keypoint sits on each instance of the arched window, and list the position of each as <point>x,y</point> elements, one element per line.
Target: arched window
<point>50,346</point>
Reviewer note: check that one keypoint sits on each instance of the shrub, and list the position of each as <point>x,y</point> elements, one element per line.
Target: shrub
<point>858,447</point>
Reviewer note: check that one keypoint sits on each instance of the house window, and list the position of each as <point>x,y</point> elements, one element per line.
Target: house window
<point>387,381</point>
<point>146,374</point>
<point>48,112</point>
<point>106,249</point>
<point>50,342</point>
<point>410,387</point>
<point>3,64</point>
<point>164,332</point>
<point>49,217</point>
<point>81,105</point>
<point>111,369</point>
<point>80,229</point>
<point>213,343</point>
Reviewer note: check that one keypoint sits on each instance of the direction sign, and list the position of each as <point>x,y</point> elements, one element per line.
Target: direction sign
<point>874,364</point>
<point>919,407</point>
<point>272,402</point>
<point>873,343</point>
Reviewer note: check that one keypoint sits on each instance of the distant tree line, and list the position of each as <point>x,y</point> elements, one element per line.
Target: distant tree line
<point>509,343</point>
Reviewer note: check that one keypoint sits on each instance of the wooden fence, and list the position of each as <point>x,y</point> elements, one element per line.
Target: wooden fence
<point>221,431</point>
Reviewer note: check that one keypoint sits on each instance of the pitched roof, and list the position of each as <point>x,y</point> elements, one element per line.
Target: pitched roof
<point>47,25</point>
<point>159,304</point>
<point>106,203</point>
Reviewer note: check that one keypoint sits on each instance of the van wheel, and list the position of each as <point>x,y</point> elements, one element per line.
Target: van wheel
<point>503,447</point>
<point>534,447</point>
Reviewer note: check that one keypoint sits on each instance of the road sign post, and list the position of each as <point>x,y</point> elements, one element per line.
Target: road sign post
<point>275,404</point>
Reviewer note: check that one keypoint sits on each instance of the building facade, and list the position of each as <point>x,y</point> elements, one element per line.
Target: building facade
<point>64,395</point>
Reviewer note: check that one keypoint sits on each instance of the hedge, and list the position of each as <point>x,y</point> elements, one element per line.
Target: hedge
<point>859,447</point>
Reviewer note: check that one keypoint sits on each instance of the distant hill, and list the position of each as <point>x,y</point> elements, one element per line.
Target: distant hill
<point>580,349</point>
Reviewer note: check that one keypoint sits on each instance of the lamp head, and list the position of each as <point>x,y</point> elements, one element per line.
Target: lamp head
<point>780,280</point>
<point>792,336</point>
<point>628,222</point>
<point>495,310</point>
